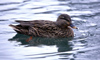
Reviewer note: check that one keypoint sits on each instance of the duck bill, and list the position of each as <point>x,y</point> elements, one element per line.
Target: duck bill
<point>71,25</point>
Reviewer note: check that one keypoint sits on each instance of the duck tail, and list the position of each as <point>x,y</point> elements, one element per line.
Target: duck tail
<point>14,27</point>
<point>20,29</point>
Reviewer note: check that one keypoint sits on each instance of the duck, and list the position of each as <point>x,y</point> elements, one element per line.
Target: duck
<point>60,28</point>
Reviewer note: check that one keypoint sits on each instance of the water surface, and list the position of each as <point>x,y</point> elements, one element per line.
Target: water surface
<point>85,15</point>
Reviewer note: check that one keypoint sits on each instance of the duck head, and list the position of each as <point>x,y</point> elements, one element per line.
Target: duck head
<point>65,20</point>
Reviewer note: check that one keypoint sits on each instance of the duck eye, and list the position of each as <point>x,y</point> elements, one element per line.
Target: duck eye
<point>62,17</point>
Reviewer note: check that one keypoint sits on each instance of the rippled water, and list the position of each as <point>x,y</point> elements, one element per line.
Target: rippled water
<point>84,46</point>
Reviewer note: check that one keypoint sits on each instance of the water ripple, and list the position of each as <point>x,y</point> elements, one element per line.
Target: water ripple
<point>9,9</point>
<point>85,15</point>
<point>10,3</point>
<point>44,55</point>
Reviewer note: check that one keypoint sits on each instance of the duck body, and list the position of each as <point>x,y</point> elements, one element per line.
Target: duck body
<point>44,28</point>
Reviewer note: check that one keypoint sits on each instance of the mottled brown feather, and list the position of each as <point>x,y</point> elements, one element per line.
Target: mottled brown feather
<point>43,28</point>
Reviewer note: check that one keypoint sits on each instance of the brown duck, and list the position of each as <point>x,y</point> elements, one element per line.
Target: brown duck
<point>42,28</point>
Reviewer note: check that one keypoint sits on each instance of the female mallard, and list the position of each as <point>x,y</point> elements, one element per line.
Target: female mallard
<point>42,28</point>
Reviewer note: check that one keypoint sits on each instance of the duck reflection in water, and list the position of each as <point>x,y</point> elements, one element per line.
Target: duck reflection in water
<point>61,43</point>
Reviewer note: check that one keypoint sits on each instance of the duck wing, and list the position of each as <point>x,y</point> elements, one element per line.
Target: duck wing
<point>34,26</point>
<point>35,23</point>
<point>24,23</point>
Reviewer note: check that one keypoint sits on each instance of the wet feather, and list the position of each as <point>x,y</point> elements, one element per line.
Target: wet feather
<point>44,28</point>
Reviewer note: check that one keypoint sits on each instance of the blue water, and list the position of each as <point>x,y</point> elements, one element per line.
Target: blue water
<point>85,15</point>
